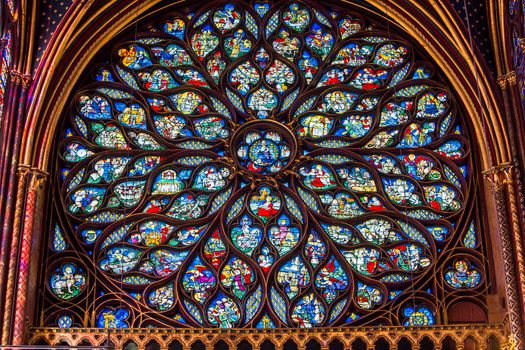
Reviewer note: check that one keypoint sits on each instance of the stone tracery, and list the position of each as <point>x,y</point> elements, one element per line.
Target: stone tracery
<point>372,197</point>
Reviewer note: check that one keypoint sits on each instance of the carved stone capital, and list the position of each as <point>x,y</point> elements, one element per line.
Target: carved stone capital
<point>23,170</point>
<point>38,178</point>
<point>506,80</point>
<point>16,77</point>
<point>26,80</point>
<point>512,78</point>
<point>499,176</point>
<point>502,82</point>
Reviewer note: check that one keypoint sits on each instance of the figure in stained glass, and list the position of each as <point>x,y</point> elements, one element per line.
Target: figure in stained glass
<point>357,179</point>
<point>308,65</point>
<point>215,66</point>
<point>237,275</point>
<point>320,43</point>
<point>211,179</point>
<point>238,45</point>
<point>203,42</point>
<point>188,206</point>
<point>227,18</point>
<point>265,204</point>
<point>391,55</point>
<point>286,45</point>
<point>296,18</point>
<point>95,108</point>
<point>315,249</point>
<point>172,56</point>
<point>292,276</point>
<point>463,275</point>
<point>198,280</point>
<point>134,57</point>
<point>68,281</point>
<point>348,26</point>
<point>408,257</point>
<point>368,296</point>
<point>109,318</point>
<point>214,249</point>
<point>353,54</point>
<point>246,236</point>
<point>280,76</point>
<point>331,279</point>
<point>308,312</point>
<point>318,177</point>
<point>223,312</point>
<point>284,236</point>
<point>162,298</point>
<point>315,126</point>
<point>175,28</point>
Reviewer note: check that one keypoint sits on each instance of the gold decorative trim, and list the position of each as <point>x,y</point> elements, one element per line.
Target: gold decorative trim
<point>232,337</point>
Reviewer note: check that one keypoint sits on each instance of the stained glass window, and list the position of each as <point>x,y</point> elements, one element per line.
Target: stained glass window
<point>5,63</point>
<point>262,165</point>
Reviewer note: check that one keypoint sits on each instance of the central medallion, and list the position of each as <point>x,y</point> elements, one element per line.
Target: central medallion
<point>264,147</point>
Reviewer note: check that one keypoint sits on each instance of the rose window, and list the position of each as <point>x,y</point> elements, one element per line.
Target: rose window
<point>264,165</point>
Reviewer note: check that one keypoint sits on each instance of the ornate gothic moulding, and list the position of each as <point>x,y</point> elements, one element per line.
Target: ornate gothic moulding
<point>325,336</point>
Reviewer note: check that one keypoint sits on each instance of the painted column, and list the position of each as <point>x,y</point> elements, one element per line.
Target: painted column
<point>501,178</point>
<point>11,198</point>
<point>35,187</point>
<point>515,124</point>
<point>23,172</point>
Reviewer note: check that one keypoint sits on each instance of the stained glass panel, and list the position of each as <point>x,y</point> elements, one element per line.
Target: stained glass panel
<point>5,63</point>
<point>264,165</point>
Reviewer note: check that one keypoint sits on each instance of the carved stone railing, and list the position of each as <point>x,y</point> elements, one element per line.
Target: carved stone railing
<point>463,336</point>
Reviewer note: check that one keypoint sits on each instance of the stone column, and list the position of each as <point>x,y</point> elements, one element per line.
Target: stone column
<point>35,187</point>
<point>501,178</point>
<point>23,172</point>
<point>10,172</point>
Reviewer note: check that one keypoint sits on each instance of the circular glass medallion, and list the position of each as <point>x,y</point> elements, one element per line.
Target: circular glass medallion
<point>263,153</point>
<point>264,147</point>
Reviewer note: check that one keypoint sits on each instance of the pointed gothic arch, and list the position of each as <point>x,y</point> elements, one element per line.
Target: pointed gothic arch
<point>460,72</point>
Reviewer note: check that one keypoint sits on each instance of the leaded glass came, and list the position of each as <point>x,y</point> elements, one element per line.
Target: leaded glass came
<point>262,165</point>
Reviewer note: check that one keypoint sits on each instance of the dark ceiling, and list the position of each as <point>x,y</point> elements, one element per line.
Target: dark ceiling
<point>477,12</point>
